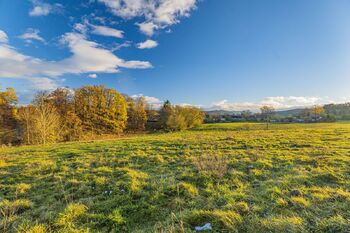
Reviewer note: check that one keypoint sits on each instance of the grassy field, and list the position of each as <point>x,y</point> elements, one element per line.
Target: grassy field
<point>238,177</point>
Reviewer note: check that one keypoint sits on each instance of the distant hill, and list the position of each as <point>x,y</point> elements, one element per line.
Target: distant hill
<point>337,111</point>
<point>289,112</point>
<point>221,112</point>
<point>282,113</point>
<point>340,111</point>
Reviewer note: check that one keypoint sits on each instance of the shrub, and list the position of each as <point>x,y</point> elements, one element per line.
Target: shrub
<point>182,118</point>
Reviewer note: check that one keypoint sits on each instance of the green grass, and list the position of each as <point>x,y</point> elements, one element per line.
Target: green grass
<point>291,178</point>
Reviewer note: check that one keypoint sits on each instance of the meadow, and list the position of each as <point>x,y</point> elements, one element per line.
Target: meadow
<point>239,177</point>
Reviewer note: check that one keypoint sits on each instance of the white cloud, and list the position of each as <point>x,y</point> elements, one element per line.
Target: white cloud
<point>148,44</point>
<point>154,102</point>
<point>168,11</point>
<point>42,9</point>
<point>125,44</point>
<point>189,105</point>
<point>147,28</point>
<point>82,28</point>
<point>3,37</point>
<point>87,57</point>
<point>92,75</point>
<point>157,13</point>
<point>127,8</point>
<point>282,102</point>
<point>32,34</point>
<point>97,30</point>
<point>43,84</point>
<point>278,102</point>
<point>107,31</point>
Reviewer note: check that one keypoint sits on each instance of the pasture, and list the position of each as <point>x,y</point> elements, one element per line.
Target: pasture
<point>239,177</point>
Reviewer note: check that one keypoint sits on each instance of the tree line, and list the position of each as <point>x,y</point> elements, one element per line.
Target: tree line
<point>88,112</point>
<point>313,114</point>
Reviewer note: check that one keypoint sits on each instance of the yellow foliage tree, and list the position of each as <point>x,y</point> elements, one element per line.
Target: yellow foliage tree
<point>102,110</point>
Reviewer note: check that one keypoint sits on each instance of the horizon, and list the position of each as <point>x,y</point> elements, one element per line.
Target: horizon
<point>232,55</point>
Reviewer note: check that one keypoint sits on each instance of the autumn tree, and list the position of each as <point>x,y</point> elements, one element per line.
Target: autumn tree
<point>181,118</point>
<point>153,117</point>
<point>47,125</point>
<point>267,113</point>
<point>137,116</point>
<point>71,125</point>
<point>102,110</point>
<point>27,118</point>
<point>246,114</point>
<point>194,116</point>
<point>164,114</point>
<point>317,111</point>
<point>313,113</point>
<point>8,115</point>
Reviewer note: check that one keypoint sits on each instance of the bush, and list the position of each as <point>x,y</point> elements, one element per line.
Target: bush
<point>181,118</point>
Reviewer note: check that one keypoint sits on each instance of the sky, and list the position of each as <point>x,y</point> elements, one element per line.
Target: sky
<point>216,54</point>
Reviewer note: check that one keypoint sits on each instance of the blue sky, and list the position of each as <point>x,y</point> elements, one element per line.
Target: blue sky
<point>224,54</point>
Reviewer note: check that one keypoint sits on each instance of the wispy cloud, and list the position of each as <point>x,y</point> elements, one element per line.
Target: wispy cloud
<point>32,34</point>
<point>41,8</point>
<point>3,37</point>
<point>43,83</point>
<point>148,44</point>
<point>125,44</point>
<point>107,31</point>
<point>80,27</point>
<point>85,26</point>
<point>157,13</point>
